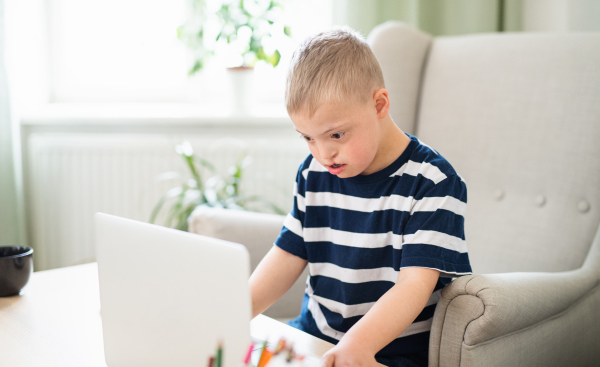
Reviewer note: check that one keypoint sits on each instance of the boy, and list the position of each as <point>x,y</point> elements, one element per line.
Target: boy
<point>378,216</point>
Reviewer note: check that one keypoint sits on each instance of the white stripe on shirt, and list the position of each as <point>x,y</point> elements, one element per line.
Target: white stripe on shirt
<point>356,276</point>
<point>360,309</point>
<point>314,166</point>
<point>293,224</point>
<point>427,170</point>
<point>352,239</point>
<point>392,202</point>
<point>435,238</point>
<point>342,201</point>
<point>300,202</point>
<point>321,321</point>
<point>449,203</point>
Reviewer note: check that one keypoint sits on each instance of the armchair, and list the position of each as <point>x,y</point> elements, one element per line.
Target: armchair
<point>518,115</point>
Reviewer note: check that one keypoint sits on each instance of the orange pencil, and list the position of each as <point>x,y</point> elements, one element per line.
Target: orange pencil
<point>264,358</point>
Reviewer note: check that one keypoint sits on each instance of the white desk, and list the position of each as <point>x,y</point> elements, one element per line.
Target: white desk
<point>56,322</point>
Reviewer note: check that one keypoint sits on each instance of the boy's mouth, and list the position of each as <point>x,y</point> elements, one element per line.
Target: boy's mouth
<point>336,169</point>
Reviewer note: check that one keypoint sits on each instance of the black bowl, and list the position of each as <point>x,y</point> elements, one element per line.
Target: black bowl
<point>16,265</point>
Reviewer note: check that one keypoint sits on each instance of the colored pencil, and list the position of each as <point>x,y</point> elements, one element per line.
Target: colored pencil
<point>219,359</point>
<point>248,355</point>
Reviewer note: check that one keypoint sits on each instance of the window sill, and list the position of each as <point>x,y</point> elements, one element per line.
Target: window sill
<point>150,114</point>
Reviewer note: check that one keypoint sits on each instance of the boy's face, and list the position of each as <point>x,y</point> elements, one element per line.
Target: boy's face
<point>343,138</point>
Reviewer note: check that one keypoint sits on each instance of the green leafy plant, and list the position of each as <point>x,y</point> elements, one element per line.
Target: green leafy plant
<point>241,27</point>
<point>214,191</point>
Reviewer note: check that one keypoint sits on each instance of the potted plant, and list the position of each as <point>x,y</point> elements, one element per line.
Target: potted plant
<point>242,29</point>
<point>194,190</point>
<point>243,32</point>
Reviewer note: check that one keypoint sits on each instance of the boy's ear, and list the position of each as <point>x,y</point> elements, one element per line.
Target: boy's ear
<point>382,102</point>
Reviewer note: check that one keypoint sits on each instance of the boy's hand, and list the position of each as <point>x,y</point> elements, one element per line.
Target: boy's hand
<point>346,356</point>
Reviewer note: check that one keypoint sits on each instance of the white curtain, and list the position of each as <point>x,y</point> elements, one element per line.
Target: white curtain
<point>11,213</point>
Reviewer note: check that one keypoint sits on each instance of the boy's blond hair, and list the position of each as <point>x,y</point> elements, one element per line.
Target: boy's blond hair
<point>332,66</point>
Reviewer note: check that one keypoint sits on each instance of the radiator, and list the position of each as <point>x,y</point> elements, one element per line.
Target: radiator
<point>70,177</point>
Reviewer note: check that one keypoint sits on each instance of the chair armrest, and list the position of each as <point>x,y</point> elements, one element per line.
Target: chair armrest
<point>256,231</point>
<point>477,309</point>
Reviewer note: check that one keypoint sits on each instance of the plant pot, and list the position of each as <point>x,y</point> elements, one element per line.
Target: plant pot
<point>241,89</point>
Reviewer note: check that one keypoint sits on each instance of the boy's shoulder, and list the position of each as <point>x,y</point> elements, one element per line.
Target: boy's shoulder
<point>310,164</point>
<point>423,154</point>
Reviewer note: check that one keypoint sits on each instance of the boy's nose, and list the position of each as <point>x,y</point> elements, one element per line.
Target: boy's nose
<point>326,152</point>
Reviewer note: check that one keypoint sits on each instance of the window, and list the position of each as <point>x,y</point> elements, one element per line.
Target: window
<point>128,51</point>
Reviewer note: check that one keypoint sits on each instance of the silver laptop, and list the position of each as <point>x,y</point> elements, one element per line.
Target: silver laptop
<point>170,298</point>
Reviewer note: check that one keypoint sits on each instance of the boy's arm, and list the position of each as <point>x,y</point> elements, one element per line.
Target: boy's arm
<point>274,275</point>
<point>386,320</point>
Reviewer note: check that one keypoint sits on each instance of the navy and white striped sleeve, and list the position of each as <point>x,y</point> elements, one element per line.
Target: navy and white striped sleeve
<point>291,237</point>
<point>434,236</point>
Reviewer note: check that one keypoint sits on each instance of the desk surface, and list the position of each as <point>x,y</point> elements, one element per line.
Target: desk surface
<point>56,322</point>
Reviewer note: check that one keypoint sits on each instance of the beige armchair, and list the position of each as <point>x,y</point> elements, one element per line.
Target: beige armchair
<point>518,115</point>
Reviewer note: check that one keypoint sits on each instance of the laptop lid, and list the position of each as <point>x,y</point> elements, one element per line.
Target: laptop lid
<point>168,297</point>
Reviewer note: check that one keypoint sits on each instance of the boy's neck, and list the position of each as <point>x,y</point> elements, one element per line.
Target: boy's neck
<point>392,144</point>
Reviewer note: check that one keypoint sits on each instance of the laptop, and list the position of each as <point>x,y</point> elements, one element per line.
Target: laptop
<point>170,298</point>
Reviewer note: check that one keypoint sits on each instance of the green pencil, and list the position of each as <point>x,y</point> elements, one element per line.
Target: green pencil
<point>219,359</point>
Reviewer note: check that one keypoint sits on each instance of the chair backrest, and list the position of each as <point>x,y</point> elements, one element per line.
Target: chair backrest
<point>518,116</point>
<point>401,52</point>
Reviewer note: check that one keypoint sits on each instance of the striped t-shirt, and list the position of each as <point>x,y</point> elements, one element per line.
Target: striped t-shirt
<point>357,233</point>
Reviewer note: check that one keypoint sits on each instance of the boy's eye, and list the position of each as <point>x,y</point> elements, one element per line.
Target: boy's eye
<point>307,138</point>
<point>338,135</point>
